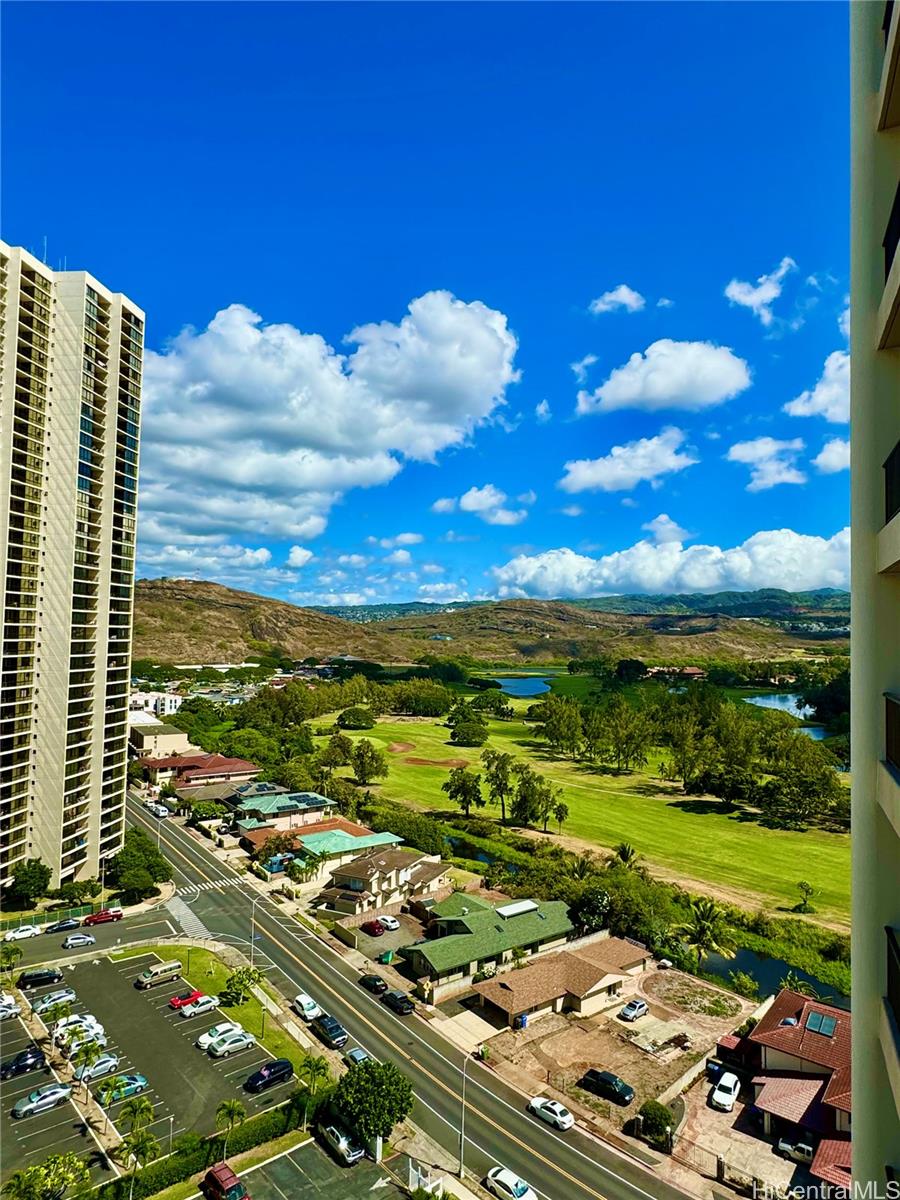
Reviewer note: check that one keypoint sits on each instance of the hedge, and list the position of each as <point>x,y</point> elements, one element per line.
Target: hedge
<point>180,1166</point>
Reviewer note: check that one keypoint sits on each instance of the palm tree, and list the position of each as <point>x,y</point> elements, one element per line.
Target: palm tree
<point>24,1185</point>
<point>138,1112</point>
<point>706,930</point>
<point>9,956</point>
<point>106,1093</point>
<point>583,866</point>
<point>315,1071</point>
<point>142,1147</point>
<point>229,1113</point>
<point>626,855</point>
<point>57,1012</point>
<point>85,1056</point>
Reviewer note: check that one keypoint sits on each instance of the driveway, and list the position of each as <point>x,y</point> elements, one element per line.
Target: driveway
<point>310,1173</point>
<point>410,931</point>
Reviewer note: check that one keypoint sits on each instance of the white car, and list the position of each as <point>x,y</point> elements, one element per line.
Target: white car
<point>725,1092</point>
<point>507,1184</point>
<point>9,1009</point>
<point>106,1064</point>
<point>159,810</point>
<point>800,1152</point>
<point>49,999</point>
<point>231,1043</point>
<point>205,1040</point>
<point>22,931</point>
<point>67,1026</point>
<point>307,1007</point>
<point>552,1112</point>
<point>86,1037</point>
<point>391,924</point>
<point>203,1004</point>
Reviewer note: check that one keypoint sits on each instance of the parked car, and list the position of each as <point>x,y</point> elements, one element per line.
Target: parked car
<point>39,977</point>
<point>607,1085</point>
<point>128,1085</point>
<point>231,1043</point>
<point>63,925</point>
<point>372,928</point>
<point>306,1007</point>
<point>20,932</point>
<point>725,1092</point>
<point>64,1026</point>
<point>9,1008</point>
<point>221,1183</point>
<point>341,1145</point>
<point>391,924</point>
<point>103,916</point>
<point>223,829</point>
<point>634,1009</point>
<point>356,1056</point>
<point>159,810</point>
<point>74,940</point>
<point>330,1030</point>
<point>205,1040</point>
<point>279,1070</point>
<point>552,1112</point>
<point>106,1064</point>
<point>49,1096</point>
<point>29,1059</point>
<point>64,995</point>
<point>87,1037</point>
<point>398,1002</point>
<point>183,999</point>
<point>799,1152</point>
<point>507,1184</point>
<point>374,984</point>
<point>203,1004</point>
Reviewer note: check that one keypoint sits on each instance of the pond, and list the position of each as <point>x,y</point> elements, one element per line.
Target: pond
<point>464,849</point>
<point>768,973</point>
<point>517,685</point>
<point>789,702</point>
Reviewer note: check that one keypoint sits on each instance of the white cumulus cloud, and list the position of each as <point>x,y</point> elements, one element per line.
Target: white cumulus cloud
<point>830,398</point>
<point>488,503</point>
<point>760,296</point>
<point>356,561</point>
<point>772,558</point>
<point>664,529</point>
<point>399,539</point>
<point>299,556</point>
<point>684,375</point>
<point>665,302</point>
<point>833,457</point>
<point>445,504</point>
<point>844,319</point>
<point>542,412</point>
<point>645,460</point>
<point>580,368</point>
<point>770,461</point>
<point>399,558</point>
<point>619,297</point>
<point>572,510</point>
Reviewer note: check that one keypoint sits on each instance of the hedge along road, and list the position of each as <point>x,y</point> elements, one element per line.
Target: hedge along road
<point>562,1167</point>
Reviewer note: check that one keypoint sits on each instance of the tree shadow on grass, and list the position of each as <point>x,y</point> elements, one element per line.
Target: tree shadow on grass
<point>704,807</point>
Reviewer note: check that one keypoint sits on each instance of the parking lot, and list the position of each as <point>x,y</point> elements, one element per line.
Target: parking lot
<point>309,1173</point>
<point>30,1140</point>
<point>410,931</point>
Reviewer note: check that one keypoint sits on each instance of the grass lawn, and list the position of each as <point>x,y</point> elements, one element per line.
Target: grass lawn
<point>690,837</point>
<point>203,970</point>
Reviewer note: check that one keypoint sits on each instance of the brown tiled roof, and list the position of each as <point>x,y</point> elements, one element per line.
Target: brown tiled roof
<point>259,837</point>
<point>615,953</point>
<point>427,872</point>
<point>542,981</point>
<point>832,1161</point>
<point>804,1043</point>
<point>378,862</point>
<point>206,764</point>
<point>795,1098</point>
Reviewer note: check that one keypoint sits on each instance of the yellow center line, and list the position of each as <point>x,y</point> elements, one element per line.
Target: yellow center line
<point>406,1055</point>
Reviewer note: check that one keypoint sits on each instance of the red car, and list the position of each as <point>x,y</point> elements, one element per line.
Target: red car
<point>183,999</point>
<point>105,914</point>
<point>372,928</point>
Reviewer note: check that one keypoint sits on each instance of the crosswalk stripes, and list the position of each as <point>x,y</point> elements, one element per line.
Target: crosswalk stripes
<point>187,918</point>
<point>191,888</point>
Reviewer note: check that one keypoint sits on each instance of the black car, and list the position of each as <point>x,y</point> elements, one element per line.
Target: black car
<point>30,1059</point>
<point>39,977</point>
<point>398,1002</point>
<point>374,984</point>
<point>607,1085</point>
<point>63,925</point>
<point>279,1070</point>
<point>330,1030</point>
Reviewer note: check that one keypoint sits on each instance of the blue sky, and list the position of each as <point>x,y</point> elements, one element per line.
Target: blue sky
<point>371,241</point>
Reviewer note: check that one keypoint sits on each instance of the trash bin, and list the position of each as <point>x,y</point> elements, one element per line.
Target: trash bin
<point>386,957</point>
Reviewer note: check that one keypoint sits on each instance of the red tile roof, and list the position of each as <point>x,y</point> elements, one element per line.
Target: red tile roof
<point>259,837</point>
<point>205,764</point>
<point>832,1161</point>
<point>795,1098</point>
<point>797,1039</point>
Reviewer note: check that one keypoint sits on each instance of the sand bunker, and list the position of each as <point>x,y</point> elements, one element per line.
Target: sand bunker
<point>437,762</point>
<point>401,747</point>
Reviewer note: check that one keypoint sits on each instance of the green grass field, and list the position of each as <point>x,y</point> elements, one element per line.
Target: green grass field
<point>687,837</point>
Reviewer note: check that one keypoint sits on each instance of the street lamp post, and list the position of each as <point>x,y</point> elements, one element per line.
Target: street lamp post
<point>253,927</point>
<point>462,1120</point>
<point>171,1128</point>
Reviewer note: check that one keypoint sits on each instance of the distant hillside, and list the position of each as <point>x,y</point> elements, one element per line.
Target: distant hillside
<point>179,620</point>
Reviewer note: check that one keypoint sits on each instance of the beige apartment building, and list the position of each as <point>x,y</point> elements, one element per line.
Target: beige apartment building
<point>71,353</point>
<point>875,498</point>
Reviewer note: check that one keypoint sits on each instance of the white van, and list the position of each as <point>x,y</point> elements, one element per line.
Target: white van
<point>164,972</point>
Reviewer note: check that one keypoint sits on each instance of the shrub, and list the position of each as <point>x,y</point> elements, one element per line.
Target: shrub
<point>469,733</point>
<point>744,984</point>
<point>656,1119</point>
<point>356,718</point>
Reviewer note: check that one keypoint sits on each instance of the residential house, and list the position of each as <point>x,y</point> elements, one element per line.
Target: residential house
<point>325,845</point>
<point>382,877</point>
<point>801,1053</point>
<point>193,770</point>
<point>160,704</point>
<point>467,934</point>
<point>232,794</point>
<point>282,810</point>
<point>581,979</point>
<point>151,739</point>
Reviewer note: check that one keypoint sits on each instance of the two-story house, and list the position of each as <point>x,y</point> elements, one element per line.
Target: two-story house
<point>383,877</point>
<point>282,811</point>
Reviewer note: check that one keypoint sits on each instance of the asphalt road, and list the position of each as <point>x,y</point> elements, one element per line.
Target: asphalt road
<point>569,1166</point>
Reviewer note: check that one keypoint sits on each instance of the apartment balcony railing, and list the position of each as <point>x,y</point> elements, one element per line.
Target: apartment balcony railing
<point>893,972</point>
<point>892,730</point>
<point>892,484</point>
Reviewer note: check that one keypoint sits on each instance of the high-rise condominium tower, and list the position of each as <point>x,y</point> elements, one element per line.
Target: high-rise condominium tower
<point>875,655</point>
<point>70,391</point>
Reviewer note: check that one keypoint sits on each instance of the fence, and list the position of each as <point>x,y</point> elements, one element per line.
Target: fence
<point>699,1158</point>
<point>48,918</point>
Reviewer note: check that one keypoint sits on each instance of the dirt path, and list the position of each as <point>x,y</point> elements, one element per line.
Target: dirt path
<point>740,898</point>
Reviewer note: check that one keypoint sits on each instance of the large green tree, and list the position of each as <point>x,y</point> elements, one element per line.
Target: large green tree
<point>562,724</point>
<point>372,1097</point>
<point>463,787</point>
<point>368,762</point>
<point>30,881</point>
<point>498,777</point>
